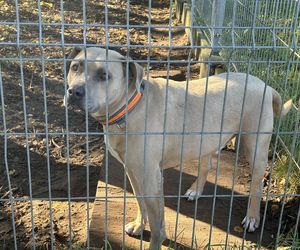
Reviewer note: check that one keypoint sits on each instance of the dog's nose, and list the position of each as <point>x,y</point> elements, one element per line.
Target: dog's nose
<point>77,92</point>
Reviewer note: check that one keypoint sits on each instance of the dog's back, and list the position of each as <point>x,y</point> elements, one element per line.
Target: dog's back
<point>213,106</point>
<point>218,98</point>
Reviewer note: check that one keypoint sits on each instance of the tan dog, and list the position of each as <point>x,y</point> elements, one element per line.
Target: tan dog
<point>204,111</point>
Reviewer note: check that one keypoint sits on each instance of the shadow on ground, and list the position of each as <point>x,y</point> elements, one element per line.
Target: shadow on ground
<point>204,208</point>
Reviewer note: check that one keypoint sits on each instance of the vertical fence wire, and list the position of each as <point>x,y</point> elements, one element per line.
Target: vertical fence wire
<point>219,157</point>
<point>182,146</point>
<point>166,106</point>
<point>11,198</point>
<point>269,186</point>
<point>87,134</point>
<point>200,156</point>
<point>294,26</point>
<point>126,119</point>
<point>106,124</point>
<point>25,125</point>
<point>254,24</point>
<point>146,91</point>
<point>67,137</point>
<point>274,24</point>
<point>40,45</point>
<point>27,145</point>
<point>253,160</point>
<point>184,125</point>
<point>238,137</point>
<point>233,25</point>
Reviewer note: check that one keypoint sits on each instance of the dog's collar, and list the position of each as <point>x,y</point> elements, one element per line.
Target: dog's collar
<point>119,116</point>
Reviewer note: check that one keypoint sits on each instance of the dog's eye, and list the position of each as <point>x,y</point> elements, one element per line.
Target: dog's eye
<point>102,75</point>
<point>75,67</point>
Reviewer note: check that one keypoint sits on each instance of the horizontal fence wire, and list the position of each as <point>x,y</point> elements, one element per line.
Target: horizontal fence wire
<point>143,196</point>
<point>136,46</point>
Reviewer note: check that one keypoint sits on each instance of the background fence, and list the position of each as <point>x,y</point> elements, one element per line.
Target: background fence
<point>51,155</point>
<point>262,33</point>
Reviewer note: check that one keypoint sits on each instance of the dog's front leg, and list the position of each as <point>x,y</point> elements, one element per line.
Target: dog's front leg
<point>154,200</point>
<point>135,227</point>
<point>148,185</point>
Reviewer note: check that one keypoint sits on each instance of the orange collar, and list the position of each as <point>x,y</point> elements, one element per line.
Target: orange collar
<point>119,116</point>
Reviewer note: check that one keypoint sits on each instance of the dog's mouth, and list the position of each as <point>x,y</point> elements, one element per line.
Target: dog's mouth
<point>83,104</point>
<point>93,109</point>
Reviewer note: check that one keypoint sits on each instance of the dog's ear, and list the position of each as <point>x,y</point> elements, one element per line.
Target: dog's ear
<point>136,73</point>
<point>71,56</point>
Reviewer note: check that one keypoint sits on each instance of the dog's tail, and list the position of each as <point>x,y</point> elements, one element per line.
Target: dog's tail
<point>277,103</point>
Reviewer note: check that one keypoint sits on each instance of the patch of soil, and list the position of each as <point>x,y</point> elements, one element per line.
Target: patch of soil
<point>187,220</point>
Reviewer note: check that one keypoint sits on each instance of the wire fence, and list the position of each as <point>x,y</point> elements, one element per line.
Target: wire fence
<point>59,188</point>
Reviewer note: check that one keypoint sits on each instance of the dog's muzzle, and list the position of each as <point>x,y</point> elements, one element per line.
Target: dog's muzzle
<point>75,95</point>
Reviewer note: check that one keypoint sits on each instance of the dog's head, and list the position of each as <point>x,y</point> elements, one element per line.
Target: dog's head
<point>99,79</point>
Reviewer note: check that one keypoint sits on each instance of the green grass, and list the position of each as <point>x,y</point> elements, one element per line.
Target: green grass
<point>230,246</point>
<point>281,174</point>
<point>289,240</point>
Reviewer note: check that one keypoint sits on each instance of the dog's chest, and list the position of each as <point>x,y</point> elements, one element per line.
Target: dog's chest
<point>110,144</point>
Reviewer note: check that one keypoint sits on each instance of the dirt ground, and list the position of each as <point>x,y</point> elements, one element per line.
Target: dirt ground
<point>43,161</point>
<point>186,222</point>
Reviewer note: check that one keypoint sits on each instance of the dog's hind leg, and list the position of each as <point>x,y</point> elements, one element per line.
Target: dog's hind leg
<point>258,157</point>
<point>196,188</point>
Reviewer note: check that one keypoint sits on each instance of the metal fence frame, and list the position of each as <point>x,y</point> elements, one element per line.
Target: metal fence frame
<point>214,30</point>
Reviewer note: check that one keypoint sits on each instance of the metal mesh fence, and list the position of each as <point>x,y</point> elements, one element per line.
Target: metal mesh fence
<point>269,30</point>
<point>59,188</point>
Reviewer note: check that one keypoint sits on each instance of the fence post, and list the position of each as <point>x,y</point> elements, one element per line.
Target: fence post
<point>216,23</point>
<point>217,20</point>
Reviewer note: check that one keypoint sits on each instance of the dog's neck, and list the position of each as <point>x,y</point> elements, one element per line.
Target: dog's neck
<point>122,106</point>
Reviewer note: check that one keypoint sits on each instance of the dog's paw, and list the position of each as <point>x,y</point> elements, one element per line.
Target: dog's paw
<point>250,223</point>
<point>134,228</point>
<point>192,195</point>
